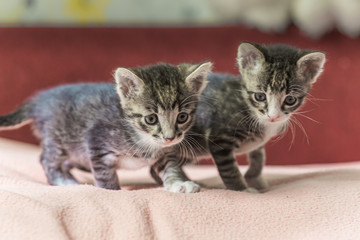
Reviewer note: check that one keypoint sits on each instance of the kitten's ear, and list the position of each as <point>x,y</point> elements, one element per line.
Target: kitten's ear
<point>197,77</point>
<point>249,58</point>
<point>311,65</point>
<point>127,83</point>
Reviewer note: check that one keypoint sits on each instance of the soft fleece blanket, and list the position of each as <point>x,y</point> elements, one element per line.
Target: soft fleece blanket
<point>303,202</point>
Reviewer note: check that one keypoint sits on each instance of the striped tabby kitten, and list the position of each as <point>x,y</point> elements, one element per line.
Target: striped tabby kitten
<point>102,127</point>
<point>239,114</point>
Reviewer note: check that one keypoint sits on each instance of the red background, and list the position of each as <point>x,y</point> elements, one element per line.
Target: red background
<point>32,59</point>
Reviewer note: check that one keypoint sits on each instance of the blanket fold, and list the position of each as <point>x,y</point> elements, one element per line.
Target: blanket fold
<point>303,202</point>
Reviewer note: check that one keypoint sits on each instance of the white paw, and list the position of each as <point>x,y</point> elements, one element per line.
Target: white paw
<point>250,190</point>
<point>64,182</point>
<point>184,187</point>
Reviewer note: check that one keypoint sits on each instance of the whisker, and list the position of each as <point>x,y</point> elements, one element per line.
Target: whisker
<point>194,158</point>
<point>302,128</point>
<point>293,131</point>
<point>184,154</point>
<point>311,110</point>
<point>192,95</point>
<point>204,136</point>
<point>319,99</point>
<point>234,115</point>
<point>283,134</point>
<point>311,101</point>
<point>307,117</point>
<point>197,144</point>
<point>241,121</point>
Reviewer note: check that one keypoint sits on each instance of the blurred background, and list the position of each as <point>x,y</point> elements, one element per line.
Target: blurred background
<point>315,18</point>
<point>45,43</point>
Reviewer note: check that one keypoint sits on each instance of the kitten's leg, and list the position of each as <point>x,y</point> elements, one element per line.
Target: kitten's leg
<point>103,167</point>
<point>155,169</point>
<point>175,179</point>
<point>222,152</point>
<point>52,159</point>
<point>256,163</point>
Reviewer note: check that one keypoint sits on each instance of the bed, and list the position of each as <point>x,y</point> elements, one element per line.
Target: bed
<point>302,202</point>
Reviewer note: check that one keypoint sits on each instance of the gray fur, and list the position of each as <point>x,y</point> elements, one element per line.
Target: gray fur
<point>230,120</point>
<point>102,126</point>
<point>17,117</point>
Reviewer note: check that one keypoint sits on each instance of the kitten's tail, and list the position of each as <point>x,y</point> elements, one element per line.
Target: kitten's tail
<point>17,118</point>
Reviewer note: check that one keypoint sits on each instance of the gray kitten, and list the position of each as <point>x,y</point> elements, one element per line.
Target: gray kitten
<point>239,114</point>
<point>104,126</point>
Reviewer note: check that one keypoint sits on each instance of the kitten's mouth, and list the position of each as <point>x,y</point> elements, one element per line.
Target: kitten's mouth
<point>168,143</point>
<point>276,120</point>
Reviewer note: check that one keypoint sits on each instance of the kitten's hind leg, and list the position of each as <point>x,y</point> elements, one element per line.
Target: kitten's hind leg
<point>175,179</point>
<point>253,175</point>
<point>104,170</point>
<point>52,160</point>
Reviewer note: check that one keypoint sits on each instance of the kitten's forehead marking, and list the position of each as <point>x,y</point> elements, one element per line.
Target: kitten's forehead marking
<point>278,81</point>
<point>166,111</point>
<point>166,98</point>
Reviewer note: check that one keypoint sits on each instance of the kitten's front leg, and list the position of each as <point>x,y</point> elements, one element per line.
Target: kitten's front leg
<point>223,154</point>
<point>103,166</point>
<point>253,175</point>
<point>175,179</point>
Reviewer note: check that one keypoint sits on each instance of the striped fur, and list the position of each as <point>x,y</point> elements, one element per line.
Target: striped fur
<point>230,120</point>
<point>16,119</point>
<point>101,127</point>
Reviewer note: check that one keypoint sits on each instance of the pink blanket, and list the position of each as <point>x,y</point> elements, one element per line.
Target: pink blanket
<point>304,202</point>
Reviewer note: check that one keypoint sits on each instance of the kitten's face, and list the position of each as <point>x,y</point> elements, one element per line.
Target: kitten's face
<point>278,80</point>
<point>274,105</point>
<point>159,124</point>
<point>160,101</point>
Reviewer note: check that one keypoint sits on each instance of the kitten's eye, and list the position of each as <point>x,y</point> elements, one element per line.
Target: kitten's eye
<point>151,119</point>
<point>182,117</point>
<point>260,97</point>
<point>290,100</point>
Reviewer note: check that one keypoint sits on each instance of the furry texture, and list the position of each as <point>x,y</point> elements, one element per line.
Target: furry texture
<point>238,115</point>
<point>101,127</point>
<point>303,202</point>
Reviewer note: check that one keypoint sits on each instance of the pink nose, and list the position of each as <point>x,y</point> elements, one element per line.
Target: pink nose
<point>273,118</point>
<point>168,140</point>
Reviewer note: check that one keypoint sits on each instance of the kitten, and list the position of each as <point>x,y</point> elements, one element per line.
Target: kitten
<point>104,126</point>
<point>239,114</point>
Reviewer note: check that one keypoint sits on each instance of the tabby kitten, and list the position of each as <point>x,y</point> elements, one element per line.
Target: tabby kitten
<point>104,126</point>
<point>239,114</point>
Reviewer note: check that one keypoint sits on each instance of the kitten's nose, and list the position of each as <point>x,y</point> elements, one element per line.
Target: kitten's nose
<point>273,118</point>
<point>169,139</point>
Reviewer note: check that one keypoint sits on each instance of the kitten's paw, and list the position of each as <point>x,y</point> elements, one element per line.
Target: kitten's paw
<point>258,183</point>
<point>64,182</point>
<point>184,187</point>
<point>250,190</point>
